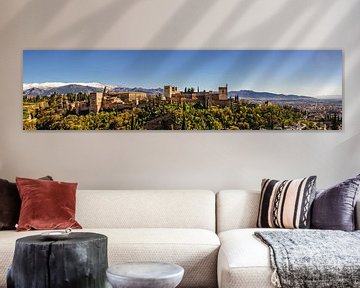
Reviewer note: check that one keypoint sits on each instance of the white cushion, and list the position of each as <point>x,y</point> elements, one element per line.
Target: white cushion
<point>194,249</point>
<point>146,209</point>
<point>236,209</point>
<point>244,261</point>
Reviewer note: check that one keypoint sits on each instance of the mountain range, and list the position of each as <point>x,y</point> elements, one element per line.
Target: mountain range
<point>49,85</point>
<point>71,88</point>
<point>49,88</point>
<point>250,94</point>
<point>139,89</point>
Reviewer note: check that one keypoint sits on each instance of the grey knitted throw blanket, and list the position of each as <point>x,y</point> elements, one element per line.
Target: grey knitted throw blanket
<point>313,258</point>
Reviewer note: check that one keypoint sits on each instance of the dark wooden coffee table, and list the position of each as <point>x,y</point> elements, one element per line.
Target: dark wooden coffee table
<point>80,261</point>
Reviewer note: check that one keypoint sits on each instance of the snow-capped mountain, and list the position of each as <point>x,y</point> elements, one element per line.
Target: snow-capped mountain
<point>34,92</point>
<point>71,88</point>
<point>49,88</point>
<point>49,85</point>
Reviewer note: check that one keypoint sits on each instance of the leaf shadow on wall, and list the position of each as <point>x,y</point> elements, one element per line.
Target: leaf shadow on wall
<point>44,11</point>
<point>185,18</point>
<point>175,30</point>
<point>105,18</point>
<point>347,157</point>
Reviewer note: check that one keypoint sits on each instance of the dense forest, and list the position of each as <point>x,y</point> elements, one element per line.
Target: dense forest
<point>50,113</point>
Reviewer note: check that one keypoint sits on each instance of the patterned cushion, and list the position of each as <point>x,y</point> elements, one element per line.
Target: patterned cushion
<point>286,204</point>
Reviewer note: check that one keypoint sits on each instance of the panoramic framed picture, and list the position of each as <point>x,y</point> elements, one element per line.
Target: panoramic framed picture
<point>182,90</point>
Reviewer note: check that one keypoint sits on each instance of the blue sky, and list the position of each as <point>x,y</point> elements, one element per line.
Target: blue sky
<point>302,72</point>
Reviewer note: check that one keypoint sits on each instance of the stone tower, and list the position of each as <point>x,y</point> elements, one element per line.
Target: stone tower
<point>170,90</point>
<point>95,102</point>
<point>223,93</point>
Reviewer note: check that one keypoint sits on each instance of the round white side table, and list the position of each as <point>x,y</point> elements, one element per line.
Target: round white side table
<point>145,275</point>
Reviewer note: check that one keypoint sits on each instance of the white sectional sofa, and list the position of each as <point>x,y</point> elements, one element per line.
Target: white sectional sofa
<point>177,226</point>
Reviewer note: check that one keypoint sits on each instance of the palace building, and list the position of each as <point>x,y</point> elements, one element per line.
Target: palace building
<point>172,92</point>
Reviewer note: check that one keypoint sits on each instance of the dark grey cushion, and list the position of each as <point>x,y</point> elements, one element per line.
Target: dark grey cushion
<point>9,205</point>
<point>334,208</point>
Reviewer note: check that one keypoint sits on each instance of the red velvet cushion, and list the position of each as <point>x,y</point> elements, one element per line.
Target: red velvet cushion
<point>10,204</point>
<point>46,204</point>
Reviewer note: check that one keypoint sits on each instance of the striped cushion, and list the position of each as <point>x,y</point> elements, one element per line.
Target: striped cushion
<point>286,204</point>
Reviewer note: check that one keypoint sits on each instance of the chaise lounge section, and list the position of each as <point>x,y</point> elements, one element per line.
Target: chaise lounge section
<point>244,260</point>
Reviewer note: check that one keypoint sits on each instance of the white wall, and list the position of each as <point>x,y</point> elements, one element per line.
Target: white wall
<point>214,160</point>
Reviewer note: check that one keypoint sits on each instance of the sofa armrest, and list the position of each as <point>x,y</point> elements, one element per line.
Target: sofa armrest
<point>357,215</point>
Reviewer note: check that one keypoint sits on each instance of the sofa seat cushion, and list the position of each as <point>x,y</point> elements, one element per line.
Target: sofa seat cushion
<point>194,249</point>
<point>244,261</point>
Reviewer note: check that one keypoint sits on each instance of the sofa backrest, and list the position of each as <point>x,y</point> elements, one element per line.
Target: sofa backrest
<point>146,209</point>
<point>239,209</point>
<point>236,209</point>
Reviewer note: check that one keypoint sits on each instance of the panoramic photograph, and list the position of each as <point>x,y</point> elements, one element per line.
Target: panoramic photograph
<point>296,90</point>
